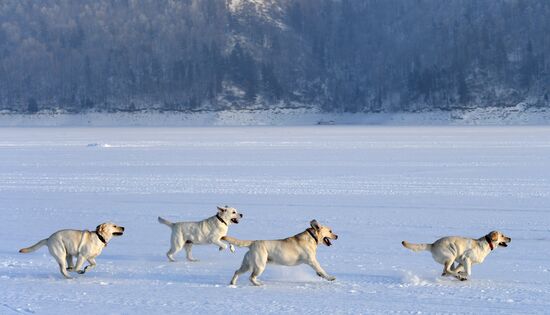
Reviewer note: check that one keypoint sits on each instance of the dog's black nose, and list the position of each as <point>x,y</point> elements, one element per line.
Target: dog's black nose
<point>122,228</point>
<point>335,236</point>
<point>241,215</point>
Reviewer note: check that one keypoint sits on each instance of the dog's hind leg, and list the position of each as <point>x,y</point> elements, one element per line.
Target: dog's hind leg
<point>188,245</point>
<point>447,265</point>
<point>60,255</point>
<point>62,261</point>
<point>176,243</point>
<point>258,268</point>
<point>245,266</point>
<point>70,265</point>
<point>63,268</point>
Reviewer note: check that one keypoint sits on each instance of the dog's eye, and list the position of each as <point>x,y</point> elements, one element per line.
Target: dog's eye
<point>234,212</point>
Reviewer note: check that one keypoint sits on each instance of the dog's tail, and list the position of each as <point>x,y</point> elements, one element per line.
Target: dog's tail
<point>164,221</point>
<point>416,247</point>
<point>34,247</point>
<point>236,242</point>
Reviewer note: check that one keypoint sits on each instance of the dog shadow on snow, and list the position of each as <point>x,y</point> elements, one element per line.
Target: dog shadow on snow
<point>111,269</point>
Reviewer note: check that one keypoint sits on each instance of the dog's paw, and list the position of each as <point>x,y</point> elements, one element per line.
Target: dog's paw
<point>232,248</point>
<point>331,278</point>
<point>221,248</point>
<point>461,276</point>
<point>81,272</point>
<point>70,269</point>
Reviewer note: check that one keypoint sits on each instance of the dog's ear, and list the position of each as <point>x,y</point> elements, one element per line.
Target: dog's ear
<point>494,236</point>
<point>314,224</point>
<point>97,228</point>
<point>222,209</point>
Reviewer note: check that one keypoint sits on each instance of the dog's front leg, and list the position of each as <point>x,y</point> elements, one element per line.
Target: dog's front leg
<point>91,265</point>
<point>448,271</point>
<point>464,275</point>
<point>220,244</point>
<point>231,247</point>
<point>79,263</point>
<point>458,267</point>
<point>319,270</point>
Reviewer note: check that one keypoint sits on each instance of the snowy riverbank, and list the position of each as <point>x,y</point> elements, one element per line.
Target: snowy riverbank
<point>283,116</point>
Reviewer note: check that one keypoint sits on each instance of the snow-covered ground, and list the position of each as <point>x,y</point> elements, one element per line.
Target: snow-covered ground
<point>375,186</point>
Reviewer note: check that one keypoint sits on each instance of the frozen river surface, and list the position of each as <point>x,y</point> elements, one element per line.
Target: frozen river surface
<point>375,186</point>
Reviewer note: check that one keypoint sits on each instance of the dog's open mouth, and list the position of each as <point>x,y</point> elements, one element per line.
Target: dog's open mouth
<point>327,241</point>
<point>117,233</point>
<point>502,244</point>
<point>234,220</point>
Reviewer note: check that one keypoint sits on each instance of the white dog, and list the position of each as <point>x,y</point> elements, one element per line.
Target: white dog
<point>208,231</point>
<point>298,249</point>
<point>463,251</point>
<point>84,245</point>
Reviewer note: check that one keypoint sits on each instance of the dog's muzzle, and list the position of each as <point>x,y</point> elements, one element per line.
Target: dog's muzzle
<point>119,233</point>
<point>505,243</point>
<point>235,220</point>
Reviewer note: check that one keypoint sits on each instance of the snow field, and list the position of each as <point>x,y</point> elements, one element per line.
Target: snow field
<point>374,186</point>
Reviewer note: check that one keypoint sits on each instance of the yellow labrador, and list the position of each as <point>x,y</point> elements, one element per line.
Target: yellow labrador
<point>298,249</point>
<point>463,251</point>
<point>208,231</point>
<point>84,245</point>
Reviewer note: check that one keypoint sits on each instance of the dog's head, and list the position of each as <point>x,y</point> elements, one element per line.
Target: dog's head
<point>109,230</point>
<point>499,238</point>
<point>323,233</point>
<point>229,214</point>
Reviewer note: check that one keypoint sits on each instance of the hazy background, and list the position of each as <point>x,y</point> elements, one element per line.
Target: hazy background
<point>337,55</point>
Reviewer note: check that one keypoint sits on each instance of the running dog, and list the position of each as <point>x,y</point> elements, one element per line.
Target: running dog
<point>298,249</point>
<point>84,245</point>
<point>460,250</point>
<point>208,231</point>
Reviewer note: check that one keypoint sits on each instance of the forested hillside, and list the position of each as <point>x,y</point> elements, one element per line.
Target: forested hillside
<point>336,55</point>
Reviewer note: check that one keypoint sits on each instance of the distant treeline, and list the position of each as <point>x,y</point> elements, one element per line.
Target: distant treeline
<point>338,55</point>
